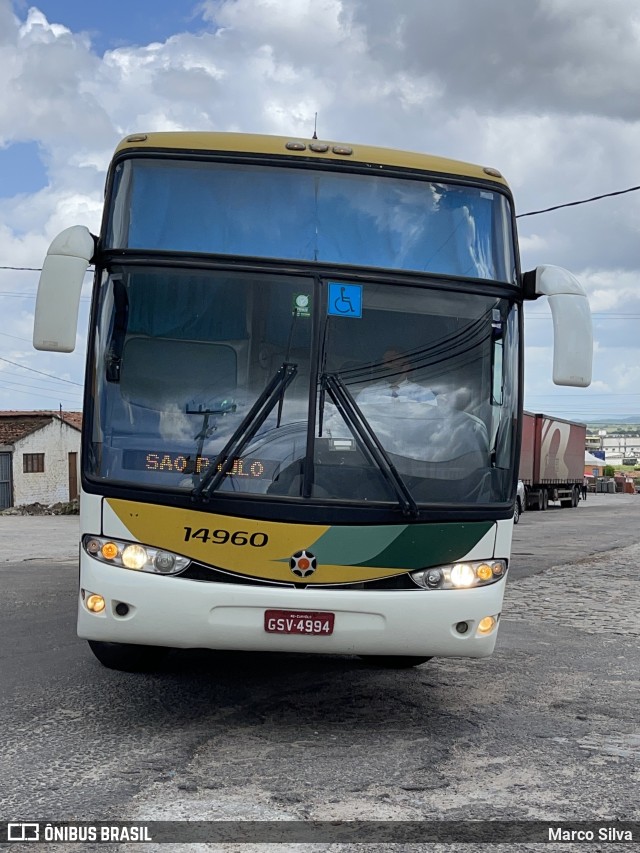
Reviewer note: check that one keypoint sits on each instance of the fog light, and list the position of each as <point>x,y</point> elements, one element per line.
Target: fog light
<point>497,569</point>
<point>95,603</point>
<point>462,627</point>
<point>134,557</point>
<point>462,575</point>
<point>486,625</point>
<point>109,550</point>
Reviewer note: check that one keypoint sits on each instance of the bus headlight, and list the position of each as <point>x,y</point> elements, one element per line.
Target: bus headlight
<point>462,575</point>
<point>132,555</point>
<point>467,575</point>
<point>165,562</point>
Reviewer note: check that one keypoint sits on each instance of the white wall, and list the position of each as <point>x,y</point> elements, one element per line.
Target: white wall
<point>624,445</point>
<point>56,441</point>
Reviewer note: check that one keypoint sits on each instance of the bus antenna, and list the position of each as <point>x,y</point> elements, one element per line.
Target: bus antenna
<point>315,128</point>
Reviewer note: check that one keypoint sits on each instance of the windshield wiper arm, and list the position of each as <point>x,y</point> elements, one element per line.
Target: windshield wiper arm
<point>245,431</point>
<point>352,414</point>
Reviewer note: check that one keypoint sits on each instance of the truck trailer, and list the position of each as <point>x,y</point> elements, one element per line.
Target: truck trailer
<point>552,460</point>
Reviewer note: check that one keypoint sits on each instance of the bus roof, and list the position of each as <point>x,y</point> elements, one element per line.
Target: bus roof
<point>322,149</point>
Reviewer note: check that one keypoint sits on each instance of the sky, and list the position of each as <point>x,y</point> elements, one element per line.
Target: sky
<point>547,91</point>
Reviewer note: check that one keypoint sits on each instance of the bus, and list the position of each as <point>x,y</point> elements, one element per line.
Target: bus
<point>303,398</point>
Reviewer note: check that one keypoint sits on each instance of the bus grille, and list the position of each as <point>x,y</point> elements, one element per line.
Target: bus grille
<point>210,574</point>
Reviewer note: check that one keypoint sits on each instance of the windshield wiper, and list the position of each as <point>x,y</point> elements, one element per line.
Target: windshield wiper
<point>353,416</point>
<point>249,426</point>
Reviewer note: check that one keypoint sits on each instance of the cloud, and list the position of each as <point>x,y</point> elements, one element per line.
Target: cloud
<point>8,24</point>
<point>545,90</point>
<point>568,57</point>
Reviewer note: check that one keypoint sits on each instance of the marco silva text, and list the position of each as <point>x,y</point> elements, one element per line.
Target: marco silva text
<point>601,833</point>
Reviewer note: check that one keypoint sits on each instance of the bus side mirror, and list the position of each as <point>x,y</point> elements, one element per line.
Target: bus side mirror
<point>572,329</point>
<point>58,300</point>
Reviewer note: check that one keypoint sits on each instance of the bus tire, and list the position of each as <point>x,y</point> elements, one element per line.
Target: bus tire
<point>516,511</point>
<point>393,661</point>
<point>544,501</point>
<point>127,657</point>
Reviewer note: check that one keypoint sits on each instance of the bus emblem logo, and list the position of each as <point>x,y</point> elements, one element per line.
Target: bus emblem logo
<point>303,564</point>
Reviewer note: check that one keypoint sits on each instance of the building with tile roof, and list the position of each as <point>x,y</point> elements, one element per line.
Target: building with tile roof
<point>39,457</point>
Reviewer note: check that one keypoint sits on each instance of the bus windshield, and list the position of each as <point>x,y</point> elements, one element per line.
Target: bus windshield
<point>308,214</point>
<point>187,360</point>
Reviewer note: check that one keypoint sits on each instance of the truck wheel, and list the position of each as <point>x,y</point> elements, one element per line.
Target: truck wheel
<point>572,502</point>
<point>543,499</point>
<point>393,661</point>
<point>127,657</point>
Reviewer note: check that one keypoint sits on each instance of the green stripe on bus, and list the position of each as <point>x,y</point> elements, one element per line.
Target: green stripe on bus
<point>411,546</point>
<point>421,545</point>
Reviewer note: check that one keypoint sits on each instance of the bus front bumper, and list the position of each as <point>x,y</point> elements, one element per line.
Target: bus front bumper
<point>183,613</point>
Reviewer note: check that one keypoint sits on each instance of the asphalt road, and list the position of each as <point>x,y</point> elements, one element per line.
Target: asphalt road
<point>547,728</point>
<point>599,524</point>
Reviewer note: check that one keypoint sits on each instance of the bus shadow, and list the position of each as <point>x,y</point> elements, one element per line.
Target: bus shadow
<point>324,691</point>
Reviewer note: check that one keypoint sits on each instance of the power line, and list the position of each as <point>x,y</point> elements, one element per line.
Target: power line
<point>578,395</point>
<point>16,295</point>
<point>29,269</point>
<point>8,375</point>
<point>7,335</point>
<point>598,317</point>
<point>518,216</point>
<point>34,269</point>
<point>576,203</point>
<point>64,395</point>
<point>43,396</point>
<point>33,370</point>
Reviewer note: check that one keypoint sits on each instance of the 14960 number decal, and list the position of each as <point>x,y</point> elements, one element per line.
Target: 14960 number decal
<point>221,537</point>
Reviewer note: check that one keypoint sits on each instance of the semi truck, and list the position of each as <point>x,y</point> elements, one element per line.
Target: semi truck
<point>551,460</point>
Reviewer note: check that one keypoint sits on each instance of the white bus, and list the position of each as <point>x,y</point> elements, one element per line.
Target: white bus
<point>303,401</point>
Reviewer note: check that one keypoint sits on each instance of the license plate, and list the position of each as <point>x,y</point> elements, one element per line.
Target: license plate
<point>298,622</point>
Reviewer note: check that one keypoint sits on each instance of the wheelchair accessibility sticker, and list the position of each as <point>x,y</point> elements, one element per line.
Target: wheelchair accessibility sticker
<point>345,300</point>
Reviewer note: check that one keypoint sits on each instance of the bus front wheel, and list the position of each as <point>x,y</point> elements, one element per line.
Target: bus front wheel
<point>127,657</point>
<point>393,661</point>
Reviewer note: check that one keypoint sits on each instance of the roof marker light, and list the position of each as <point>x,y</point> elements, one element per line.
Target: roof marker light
<point>342,149</point>
<point>295,146</point>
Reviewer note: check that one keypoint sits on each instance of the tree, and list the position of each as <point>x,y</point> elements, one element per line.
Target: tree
<point>609,471</point>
